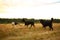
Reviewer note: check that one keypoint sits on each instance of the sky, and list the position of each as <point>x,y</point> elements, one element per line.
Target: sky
<point>38,9</point>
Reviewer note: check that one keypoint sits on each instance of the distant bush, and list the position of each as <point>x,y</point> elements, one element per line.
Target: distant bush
<point>56,21</point>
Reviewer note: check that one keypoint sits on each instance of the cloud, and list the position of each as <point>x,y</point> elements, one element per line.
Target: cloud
<point>13,3</point>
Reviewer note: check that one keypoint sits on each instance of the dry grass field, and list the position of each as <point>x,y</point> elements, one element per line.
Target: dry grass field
<point>21,32</point>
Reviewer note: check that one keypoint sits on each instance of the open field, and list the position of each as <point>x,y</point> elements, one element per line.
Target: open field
<point>21,32</point>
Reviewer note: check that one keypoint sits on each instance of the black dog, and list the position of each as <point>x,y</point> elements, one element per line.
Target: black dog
<point>47,23</point>
<point>29,22</point>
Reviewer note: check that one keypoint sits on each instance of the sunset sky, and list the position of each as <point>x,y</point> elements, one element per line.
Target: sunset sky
<point>37,9</point>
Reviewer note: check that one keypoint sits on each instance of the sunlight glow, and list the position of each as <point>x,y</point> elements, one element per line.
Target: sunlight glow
<point>37,9</point>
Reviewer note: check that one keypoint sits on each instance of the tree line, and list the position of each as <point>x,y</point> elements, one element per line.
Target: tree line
<point>6,20</point>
